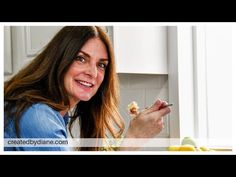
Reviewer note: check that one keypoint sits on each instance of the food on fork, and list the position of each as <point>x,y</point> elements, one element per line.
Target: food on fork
<point>133,108</point>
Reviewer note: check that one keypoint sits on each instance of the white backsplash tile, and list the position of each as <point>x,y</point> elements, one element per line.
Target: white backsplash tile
<point>151,95</point>
<point>162,81</point>
<point>146,81</point>
<point>124,81</point>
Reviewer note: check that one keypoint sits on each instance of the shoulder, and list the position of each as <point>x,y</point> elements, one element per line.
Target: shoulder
<point>40,113</point>
<point>40,120</point>
<point>40,107</point>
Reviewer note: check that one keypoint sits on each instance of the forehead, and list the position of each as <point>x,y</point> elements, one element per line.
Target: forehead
<point>95,48</point>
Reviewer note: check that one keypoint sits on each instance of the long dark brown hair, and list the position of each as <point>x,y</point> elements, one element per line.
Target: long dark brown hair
<point>41,82</point>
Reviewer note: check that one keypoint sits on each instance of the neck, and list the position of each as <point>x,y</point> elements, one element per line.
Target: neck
<point>73,102</point>
<point>72,105</point>
<point>63,112</point>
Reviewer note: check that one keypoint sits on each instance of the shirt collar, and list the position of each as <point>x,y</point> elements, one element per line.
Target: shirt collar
<point>66,118</point>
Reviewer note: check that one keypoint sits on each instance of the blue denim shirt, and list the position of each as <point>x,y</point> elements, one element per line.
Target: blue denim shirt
<point>39,121</point>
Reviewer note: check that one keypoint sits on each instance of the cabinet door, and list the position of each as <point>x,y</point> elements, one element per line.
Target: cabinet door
<point>27,42</point>
<point>7,51</point>
<point>141,49</point>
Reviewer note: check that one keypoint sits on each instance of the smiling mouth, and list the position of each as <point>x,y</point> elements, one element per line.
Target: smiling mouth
<point>85,84</point>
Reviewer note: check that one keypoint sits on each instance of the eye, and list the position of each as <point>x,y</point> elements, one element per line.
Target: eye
<point>102,65</point>
<point>80,59</point>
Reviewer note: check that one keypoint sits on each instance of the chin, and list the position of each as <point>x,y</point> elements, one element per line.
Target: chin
<point>85,98</point>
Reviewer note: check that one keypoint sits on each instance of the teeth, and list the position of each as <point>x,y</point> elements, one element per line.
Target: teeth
<point>86,83</point>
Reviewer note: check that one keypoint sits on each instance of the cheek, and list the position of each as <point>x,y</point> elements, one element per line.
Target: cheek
<point>68,78</point>
<point>67,83</point>
<point>100,78</point>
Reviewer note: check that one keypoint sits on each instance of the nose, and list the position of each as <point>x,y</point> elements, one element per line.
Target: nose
<point>92,70</point>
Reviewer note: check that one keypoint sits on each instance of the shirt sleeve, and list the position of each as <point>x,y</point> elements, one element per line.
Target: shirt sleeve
<point>43,123</point>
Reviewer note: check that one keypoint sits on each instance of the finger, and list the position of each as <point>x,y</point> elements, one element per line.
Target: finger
<point>163,125</point>
<point>164,111</point>
<point>160,113</point>
<point>153,108</point>
<point>164,103</point>
<point>160,122</point>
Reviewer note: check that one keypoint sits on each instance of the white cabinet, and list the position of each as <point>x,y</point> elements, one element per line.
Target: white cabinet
<point>36,37</point>
<point>141,49</point>
<point>26,43</point>
<point>7,51</point>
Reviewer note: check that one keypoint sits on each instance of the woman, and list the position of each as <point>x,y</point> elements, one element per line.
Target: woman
<point>75,71</point>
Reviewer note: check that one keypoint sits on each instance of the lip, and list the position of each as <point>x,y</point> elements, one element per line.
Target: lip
<point>85,88</point>
<point>90,82</point>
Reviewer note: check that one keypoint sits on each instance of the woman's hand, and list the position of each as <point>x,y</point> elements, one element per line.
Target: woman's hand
<point>148,123</point>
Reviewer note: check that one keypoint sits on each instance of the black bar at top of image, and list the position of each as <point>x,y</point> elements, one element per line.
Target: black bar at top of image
<point>97,11</point>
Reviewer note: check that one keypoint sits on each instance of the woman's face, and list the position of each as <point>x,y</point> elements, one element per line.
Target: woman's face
<point>87,72</point>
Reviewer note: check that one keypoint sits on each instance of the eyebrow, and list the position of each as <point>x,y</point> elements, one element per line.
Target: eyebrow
<point>87,55</point>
